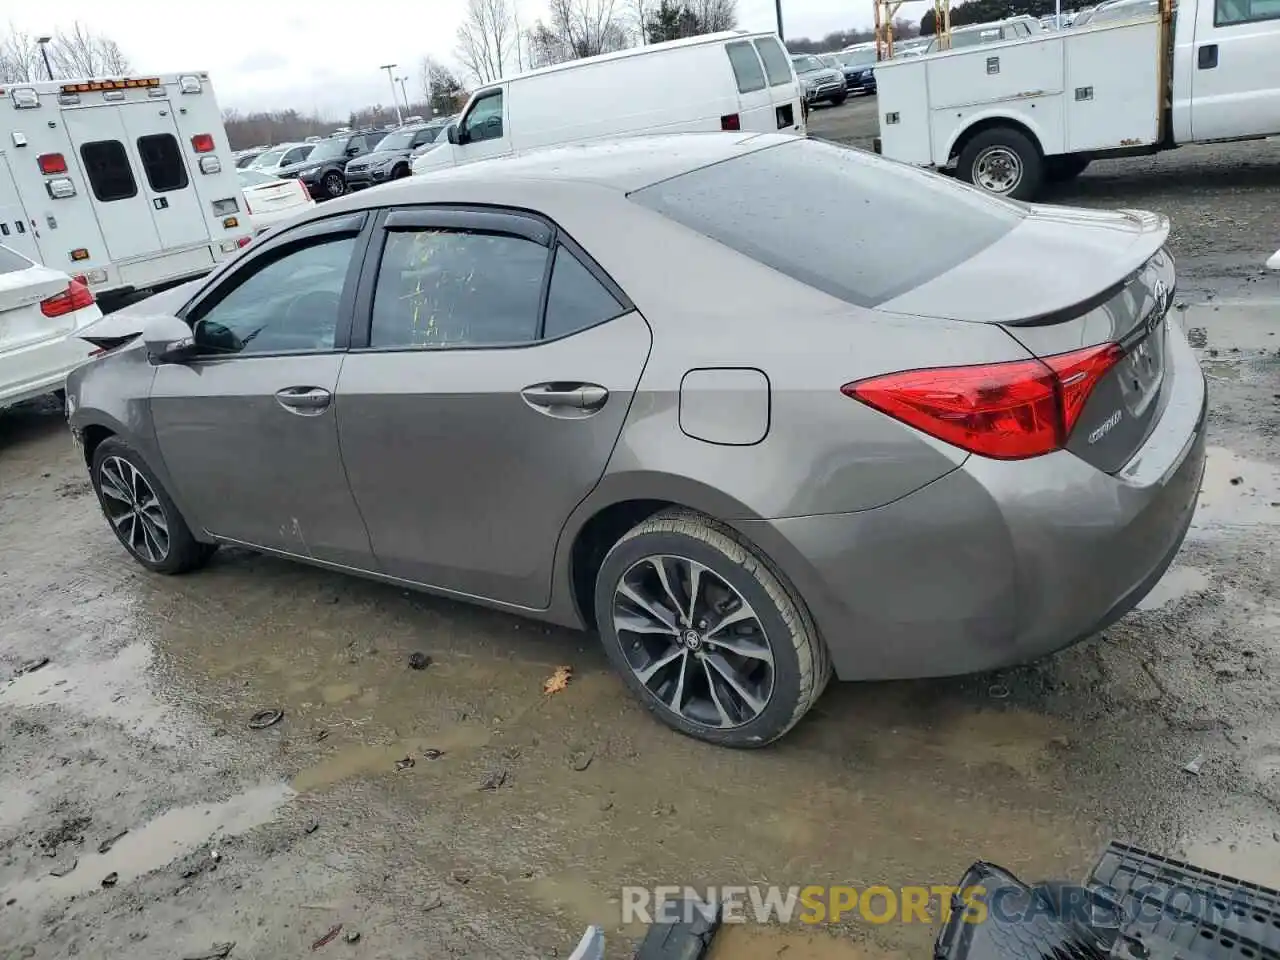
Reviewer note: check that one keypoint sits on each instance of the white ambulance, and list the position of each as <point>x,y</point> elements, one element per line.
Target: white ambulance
<point>126,183</point>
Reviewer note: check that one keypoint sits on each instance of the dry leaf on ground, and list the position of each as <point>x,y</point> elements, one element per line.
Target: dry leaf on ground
<point>558,680</point>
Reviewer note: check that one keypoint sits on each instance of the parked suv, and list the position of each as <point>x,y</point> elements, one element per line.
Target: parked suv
<point>819,81</point>
<point>390,161</point>
<point>858,67</point>
<point>324,172</point>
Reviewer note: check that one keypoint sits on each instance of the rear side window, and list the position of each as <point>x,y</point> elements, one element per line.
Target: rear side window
<point>107,166</point>
<point>804,208</point>
<point>576,300</point>
<point>746,67</point>
<point>162,162</point>
<point>444,288</point>
<point>776,64</point>
<point>11,262</point>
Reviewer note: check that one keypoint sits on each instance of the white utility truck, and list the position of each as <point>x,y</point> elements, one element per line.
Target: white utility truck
<point>127,183</point>
<point>1009,116</point>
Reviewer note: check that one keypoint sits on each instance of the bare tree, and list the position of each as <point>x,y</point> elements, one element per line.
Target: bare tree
<point>440,87</point>
<point>82,53</point>
<point>637,14</point>
<point>20,56</point>
<point>485,38</point>
<point>576,29</point>
<point>713,16</point>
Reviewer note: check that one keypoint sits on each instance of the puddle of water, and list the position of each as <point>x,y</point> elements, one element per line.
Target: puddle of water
<point>1224,503</point>
<point>1248,325</point>
<point>114,690</point>
<point>364,759</point>
<point>169,836</point>
<point>743,942</point>
<point>1179,582</point>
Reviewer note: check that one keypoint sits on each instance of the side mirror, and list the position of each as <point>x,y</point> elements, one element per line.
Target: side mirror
<point>168,340</point>
<point>454,136</point>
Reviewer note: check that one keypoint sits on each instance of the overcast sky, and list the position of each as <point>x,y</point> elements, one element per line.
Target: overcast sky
<point>322,55</point>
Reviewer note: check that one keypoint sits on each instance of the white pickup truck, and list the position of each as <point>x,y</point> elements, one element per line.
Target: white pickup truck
<point>1010,116</point>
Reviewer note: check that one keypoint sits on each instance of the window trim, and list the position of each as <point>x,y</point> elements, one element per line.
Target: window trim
<point>357,225</point>
<point>93,187</point>
<point>755,55</point>
<point>146,170</point>
<point>1217,22</point>
<point>457,217</point>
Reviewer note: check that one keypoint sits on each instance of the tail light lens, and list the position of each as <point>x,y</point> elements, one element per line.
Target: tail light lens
<point>731,121</point>
<point>202,143</point>
<point>76,297</point>
<point>302,190</point>
<point>1006,411</point>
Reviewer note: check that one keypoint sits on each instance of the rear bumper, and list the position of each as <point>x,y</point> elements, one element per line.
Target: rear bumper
<point>40,368</point>
<point>268,219</point>
<point>997,562</point>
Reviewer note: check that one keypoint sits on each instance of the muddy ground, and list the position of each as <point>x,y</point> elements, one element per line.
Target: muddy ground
<point>270,838</point>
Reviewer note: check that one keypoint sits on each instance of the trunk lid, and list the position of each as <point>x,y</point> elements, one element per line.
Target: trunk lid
<point>1064,280</point>
<point>273,196</point>
<point>22,322</point>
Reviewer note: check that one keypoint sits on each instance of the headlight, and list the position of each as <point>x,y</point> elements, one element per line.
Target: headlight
<point>305,171</point>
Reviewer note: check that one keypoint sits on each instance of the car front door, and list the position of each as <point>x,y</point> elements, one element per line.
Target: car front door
<point>1235,87</point>
<point>473,420</point>
<point>247,428</point>
<point>484,131</point>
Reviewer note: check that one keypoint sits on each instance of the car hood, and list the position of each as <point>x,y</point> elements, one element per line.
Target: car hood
<point>1055,259</point>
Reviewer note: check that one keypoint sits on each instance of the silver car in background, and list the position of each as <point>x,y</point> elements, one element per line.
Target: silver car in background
<point>657,389</point>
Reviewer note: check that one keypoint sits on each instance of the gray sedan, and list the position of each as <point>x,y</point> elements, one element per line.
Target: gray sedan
<point>657,389</point>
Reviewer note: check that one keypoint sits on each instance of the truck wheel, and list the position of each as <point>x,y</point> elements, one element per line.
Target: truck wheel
<point>1064,168</point>
<point>838,99</point>
<point>1004,162</point>
<point>705,632</point>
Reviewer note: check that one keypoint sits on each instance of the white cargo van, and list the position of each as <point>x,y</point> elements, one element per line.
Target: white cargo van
<point>1009,116</point>
<point>125,183</point>
<point>721,81</point>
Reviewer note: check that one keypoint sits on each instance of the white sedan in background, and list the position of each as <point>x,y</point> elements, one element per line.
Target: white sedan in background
<point>42,311</point>
<point>269,200</point>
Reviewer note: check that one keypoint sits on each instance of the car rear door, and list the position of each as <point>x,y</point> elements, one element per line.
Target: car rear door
<point>248,427</point>
<point>473,421</point>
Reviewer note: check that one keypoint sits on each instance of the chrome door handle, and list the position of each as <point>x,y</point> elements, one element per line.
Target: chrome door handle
<point>304,401</point>
<point>574,396</point>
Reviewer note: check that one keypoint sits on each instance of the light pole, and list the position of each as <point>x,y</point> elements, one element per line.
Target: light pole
<point>44,52</point>
<point>401,80</point>
<point>778,6</point>
<point>394,99</point>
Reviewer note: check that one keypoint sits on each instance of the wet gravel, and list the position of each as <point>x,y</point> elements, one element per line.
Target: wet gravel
<point>523,814</point>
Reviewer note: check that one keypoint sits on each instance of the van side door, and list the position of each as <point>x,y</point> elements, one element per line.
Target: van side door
<point>755,104</point>
<point>484,130</point>
<point>784,88</point>
<point>1235,73</point>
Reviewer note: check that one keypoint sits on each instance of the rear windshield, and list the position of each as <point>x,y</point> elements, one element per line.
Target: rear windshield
<point>11,262</point>
<point>851,224</point>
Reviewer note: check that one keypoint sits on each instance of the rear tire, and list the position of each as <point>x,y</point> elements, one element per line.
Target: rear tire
<point>140,512</point>
<point>1004,162</point>
<point>334,185</point>
<point>1064,168</point>
<point>673,657</point>
<point>399,173</point>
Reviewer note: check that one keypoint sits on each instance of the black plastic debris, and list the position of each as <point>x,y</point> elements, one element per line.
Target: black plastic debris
<point>1135,905</point>
<point>682,930</point>
<point>110,879</point>
<point>265,718</point>
<point>419,661</point>
<point>31,666</point>
<point>431,753</point>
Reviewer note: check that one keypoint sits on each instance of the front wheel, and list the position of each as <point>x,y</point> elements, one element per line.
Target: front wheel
<point>838,99</point>
<point>140,512</point>
<point>1004,162</point>
<point>706,634</point>
<point>334,185</point>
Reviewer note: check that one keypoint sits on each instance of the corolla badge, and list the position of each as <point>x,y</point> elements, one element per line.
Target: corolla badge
<point>1105,427</point>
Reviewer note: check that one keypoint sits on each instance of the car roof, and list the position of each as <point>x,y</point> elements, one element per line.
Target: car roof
<point>625,164</point>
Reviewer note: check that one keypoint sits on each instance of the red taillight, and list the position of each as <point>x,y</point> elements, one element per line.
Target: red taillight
<point>731,121</point>
<point>202,143</point>
<point>1007,411</point>
<point>76,297</point>
<point>243,241</point>
<point>302,189</point>
<point>51,163</point>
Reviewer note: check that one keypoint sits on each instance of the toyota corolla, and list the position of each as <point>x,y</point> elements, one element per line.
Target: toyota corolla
<point>656,389</point>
